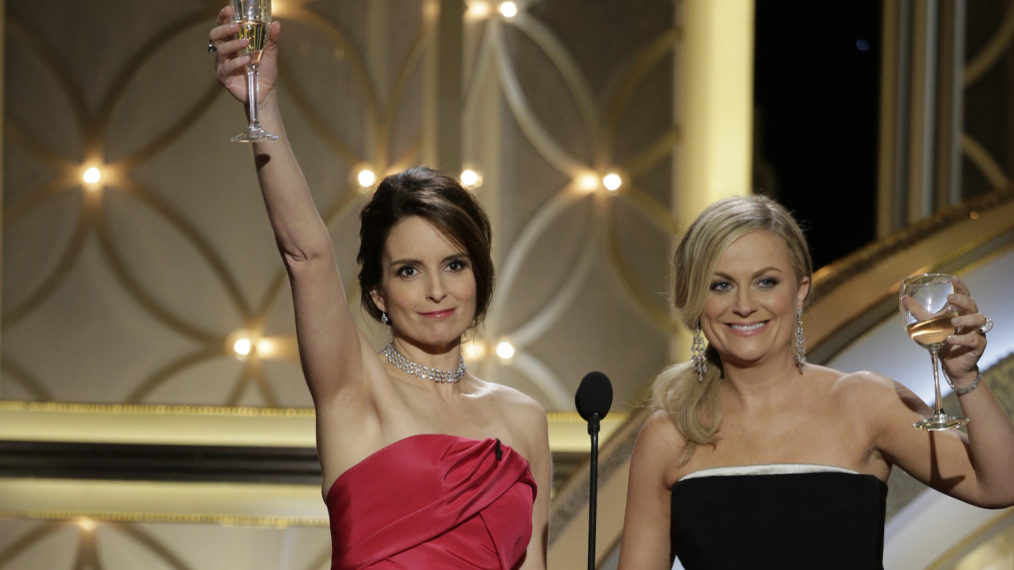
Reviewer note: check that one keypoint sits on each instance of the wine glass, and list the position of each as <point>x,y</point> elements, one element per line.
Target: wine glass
<point>923,301</point>
<point>254,19</point>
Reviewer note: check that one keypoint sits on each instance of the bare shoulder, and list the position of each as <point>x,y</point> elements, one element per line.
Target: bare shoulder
<point>656,453</point>
<point>857,385</point>
<point>659,425</point>
<point>659,437</point>
<point>524,425</point>
<point>520,415</point>
<point>876,397</point>
<point>509,398</point>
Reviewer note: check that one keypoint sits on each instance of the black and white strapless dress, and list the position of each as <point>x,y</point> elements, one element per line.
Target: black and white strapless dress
<point>778,516</point>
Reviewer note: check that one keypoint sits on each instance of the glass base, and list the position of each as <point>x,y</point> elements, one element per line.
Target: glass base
<point>254,133</point>
<point>940,421</point>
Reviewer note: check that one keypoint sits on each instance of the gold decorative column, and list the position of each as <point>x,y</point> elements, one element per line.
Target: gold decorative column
<point>443,100</point>
<point>3,40</point>
<point>713,108</point>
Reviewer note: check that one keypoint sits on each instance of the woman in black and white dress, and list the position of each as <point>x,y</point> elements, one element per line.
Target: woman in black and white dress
<point>755,458</point>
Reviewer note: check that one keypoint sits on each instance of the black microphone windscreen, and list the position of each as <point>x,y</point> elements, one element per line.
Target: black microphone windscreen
<point>594,396</point>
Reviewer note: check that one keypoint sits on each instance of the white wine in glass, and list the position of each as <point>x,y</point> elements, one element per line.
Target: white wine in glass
<point>928,314</point>
<point>254,19</point>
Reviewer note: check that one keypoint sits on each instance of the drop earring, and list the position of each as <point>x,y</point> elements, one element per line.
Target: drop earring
<point>700,363</point>
<point>800,339</point>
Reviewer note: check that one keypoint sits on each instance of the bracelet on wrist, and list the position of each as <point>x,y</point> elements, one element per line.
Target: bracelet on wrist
<point>966,389</point>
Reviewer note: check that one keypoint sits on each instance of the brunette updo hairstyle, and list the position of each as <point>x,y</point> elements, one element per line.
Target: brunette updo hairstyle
<point>440,200</point>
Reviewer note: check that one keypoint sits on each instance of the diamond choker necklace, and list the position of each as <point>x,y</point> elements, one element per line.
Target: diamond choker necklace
<point>424,372</point>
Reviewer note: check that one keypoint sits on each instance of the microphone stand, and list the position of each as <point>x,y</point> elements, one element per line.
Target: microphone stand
<point>593,485</point>
<point>593,398</point>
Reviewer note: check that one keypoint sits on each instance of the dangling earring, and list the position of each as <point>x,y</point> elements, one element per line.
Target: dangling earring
<point>700,363</point>
<point>800,342</point>
<point>384,319</point>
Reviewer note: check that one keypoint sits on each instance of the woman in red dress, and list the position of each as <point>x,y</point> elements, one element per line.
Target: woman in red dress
<point>424,465</point>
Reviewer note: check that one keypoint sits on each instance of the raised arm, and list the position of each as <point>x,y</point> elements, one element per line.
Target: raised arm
<point>329,342</point>
<point>976,467</point>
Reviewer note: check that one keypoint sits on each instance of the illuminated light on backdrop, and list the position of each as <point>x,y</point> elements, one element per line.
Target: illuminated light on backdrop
<point>612,181</point>
<point>366,177</point>
<point>505,350</point>
<point>589,182</point>
<point>471,179</point>
<point>508,10</point>
<point>478,10</point>
<point>473,350</point>
<point>242,347</point>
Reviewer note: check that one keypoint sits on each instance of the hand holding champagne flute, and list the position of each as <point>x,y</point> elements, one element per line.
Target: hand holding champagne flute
<point>928,314</point>
<point>253,18</point>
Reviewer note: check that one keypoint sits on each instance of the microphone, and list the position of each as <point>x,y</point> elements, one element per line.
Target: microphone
<point>593,398</point>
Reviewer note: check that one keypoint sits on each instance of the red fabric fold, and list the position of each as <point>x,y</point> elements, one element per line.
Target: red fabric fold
<point>433,501</point>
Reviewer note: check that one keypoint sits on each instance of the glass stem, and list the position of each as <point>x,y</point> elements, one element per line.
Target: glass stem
<point>252,93</point>
<point>936,381</point>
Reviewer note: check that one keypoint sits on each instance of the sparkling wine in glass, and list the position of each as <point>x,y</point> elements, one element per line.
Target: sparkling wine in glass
<point>923,302</point>
<point>254,19</point>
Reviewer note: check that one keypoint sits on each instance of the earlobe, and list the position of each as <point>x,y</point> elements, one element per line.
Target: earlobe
<point>804,288</point>
<point>378,300</point>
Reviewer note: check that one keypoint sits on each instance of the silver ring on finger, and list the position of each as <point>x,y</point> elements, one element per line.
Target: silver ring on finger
<point>211,47</point>
<point>987,326</point>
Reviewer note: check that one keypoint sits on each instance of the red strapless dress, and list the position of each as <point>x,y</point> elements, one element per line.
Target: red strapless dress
<point>433,501</point>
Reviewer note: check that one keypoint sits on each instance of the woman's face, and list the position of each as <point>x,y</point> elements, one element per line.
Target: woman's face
<point>750,308</point>
<point>427,288</point>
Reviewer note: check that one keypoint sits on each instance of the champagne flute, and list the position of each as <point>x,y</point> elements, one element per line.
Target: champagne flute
<point>254,19</point>
<point>923,301</point>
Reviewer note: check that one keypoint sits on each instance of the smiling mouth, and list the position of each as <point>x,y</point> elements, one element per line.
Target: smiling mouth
<point>747,328</point>
<point>439,314</point>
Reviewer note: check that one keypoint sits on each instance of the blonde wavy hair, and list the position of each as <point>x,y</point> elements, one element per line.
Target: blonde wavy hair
<point>695,407</point>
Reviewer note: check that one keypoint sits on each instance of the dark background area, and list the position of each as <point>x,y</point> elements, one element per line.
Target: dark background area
<point>817,90</point>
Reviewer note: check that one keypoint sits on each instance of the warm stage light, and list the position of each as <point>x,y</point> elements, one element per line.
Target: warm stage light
<point>505,350</point>
<point>471,179</point>
<point>508,10</point>
<point>266,348</point>
<point>242,347</point>
<point>612,181</point>
<point>92,176</point>
<point>588,182</point>
<point>473,350</point>
<point>478,10</point>
<point>366,178</point>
